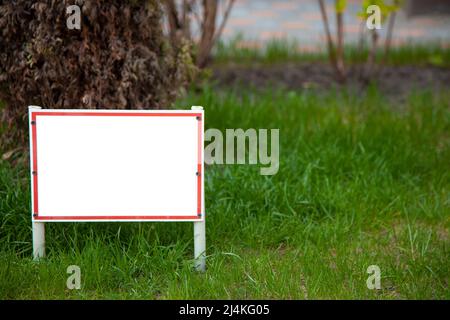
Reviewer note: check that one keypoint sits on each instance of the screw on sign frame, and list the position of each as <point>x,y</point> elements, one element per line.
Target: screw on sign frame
<point>193,159</point>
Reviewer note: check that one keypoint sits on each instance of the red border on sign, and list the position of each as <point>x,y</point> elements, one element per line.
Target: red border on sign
<point>137,114</point>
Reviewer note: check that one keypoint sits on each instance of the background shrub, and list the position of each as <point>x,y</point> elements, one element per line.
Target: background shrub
<point>119,59</point>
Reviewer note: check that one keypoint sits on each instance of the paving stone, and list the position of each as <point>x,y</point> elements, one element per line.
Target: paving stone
<point>300,20</point>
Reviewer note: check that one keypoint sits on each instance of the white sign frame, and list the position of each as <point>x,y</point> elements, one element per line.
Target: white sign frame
<point>38,218</point>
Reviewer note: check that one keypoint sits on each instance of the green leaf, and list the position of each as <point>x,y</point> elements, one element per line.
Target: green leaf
<point>340,5</point>
<point>386,7</point>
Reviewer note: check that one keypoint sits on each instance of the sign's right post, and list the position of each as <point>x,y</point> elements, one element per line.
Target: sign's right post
<point>199,226</point>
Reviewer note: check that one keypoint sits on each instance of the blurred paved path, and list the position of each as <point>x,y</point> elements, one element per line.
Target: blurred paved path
<point>261,20</point>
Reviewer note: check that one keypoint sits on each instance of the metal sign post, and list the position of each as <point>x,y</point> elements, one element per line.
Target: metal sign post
<point>199,227</point>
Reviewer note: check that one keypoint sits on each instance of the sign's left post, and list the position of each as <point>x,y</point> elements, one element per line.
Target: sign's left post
<point>38,228</point>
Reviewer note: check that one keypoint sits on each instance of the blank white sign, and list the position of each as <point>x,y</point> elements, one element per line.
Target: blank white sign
<point>91,165</point>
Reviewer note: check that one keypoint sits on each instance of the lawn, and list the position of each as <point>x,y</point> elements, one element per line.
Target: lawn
<point>362,181</point>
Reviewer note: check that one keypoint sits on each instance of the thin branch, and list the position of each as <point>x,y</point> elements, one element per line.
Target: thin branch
<point>326,25</point>
<point>361,44</point>
<point>208,31</point>
<point>224,21</point>
<point>372,55</point>
<point>186,18</point>
<point>390,31</point>
<point>340,44</point>
<point>173,19</point>
<point>172,13</point>
<point>196,15</point>
<point>330,43</point>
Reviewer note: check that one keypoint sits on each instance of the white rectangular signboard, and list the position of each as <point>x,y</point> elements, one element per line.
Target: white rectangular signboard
<point>116,165</point>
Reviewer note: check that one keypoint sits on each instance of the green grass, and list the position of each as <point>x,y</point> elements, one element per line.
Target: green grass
<point>283,50</point>
<point>361,182</point>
